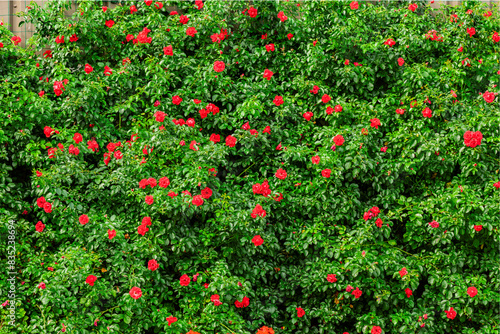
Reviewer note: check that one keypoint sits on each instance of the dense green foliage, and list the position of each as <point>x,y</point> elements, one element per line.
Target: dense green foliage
<point>433,186</point>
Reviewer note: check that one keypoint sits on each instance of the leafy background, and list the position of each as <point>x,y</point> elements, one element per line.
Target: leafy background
<point>426,174</point>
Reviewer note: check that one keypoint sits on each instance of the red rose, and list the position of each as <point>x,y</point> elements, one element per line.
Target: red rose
<point>171,320</point>
<point>40,202</point>
<point>135,292</point>
<point>198,200</point>
<point>257,240</point>
<point>434,224</point>
<point>158,5</point>
<point>357,293</point>
<point>401,61</point>
<point>191,31</point>
<point>111,234</point>
<point>90,280</point>
<point>153,265</point>
<point>84,219</point>
<point>148,2</point>
<point>268,74</point>
<point>308,115</point>
<point>219,66</point>
<point>315,90</point>
<point>16,40</point>
<point>168,50</point>
<point>149,199</point>
<point>326,172</point>
<point>471,291</point>
<point>146,221</point>
<point>326,98</point>
<point>390,42</point>
<point>206,193</point>
<point>270,47</point>
<point>408,292</point>
<point>88,68</point>
<point>184,280</point>
<point>478,227</point>
<point>258,211</point>
<point>451,313</point>
<point>489,96</point>
<point>164,182</point>
<point>379,222</point>
<point>497,185</point>
<point>133,9</point>
<point>278,100</point>
<point>427,112</point>
<point>338,140</point>
<point>281,174</point>
<point>230,141</point>
<point>331,278</point>
<point>142,229</point>
<point>377,329</point>
<point>315,160</point>
<point>176,100</point>
<point>252,12</point>
<point>354,5</point>
<point>495,37</point>
<point>471,31</point>
<point>110,23</point>
<point>39,227</point>
<point>300,312</point>
<point>290,36</point>
<point>375,123</point>
<point>403,272</point>
<point>47,207</point>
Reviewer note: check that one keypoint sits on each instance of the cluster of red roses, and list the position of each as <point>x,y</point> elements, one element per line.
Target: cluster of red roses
<point>42,203</point>
<point>373,212</point>
<point>472,139</point>
<point>217,38</point>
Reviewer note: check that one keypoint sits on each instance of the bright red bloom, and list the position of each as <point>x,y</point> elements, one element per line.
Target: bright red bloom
<point>278,100</point>
<point>338,140</point>
<point>164,182</point>
<point>257,240</point>
<point>153,265</point>
<point>354,5</point>
<point>107,71</point>
<point>471,31</point>
<point>300,312</point>
<point>133,9</point>
<point>258,211</point>
<point>84,219</point>
<point>268,74</point>
<point>206,193</point>
<point>90,280</point>
<point>290,36</point>
<point>315,89</point>
<point>197,200</point>
<point>191,31</point>
<point>489,96</point>
<point>379,223</point>
<point>270,47</point>
<point>168,50</point>
<point>478,228</point>
<point>158,5</point>
<point>159,116</point>
<point>214,138</point>
<point>73,38</point>
<point>16,40</point>
<point>331,278</point>
<point>47,207</point>
<point>88,68</point>
<point>326,172</point>
<point>135,292</point>
<point>375,210</point>
<point>308,115</point>
<point>427,112</point>
<point>434,224</point>
<point>219,66</point>
<point>400,111</point>
<point>171,320</point>
<point>408,292</point>
<point>472,139</point>
<point>326,98</point>
<point>413,7</point>
<point>471,291</point>
<point>111,234</point>
<point>184,280</point>
<point>401,61</point>
<point>451,313</point>
<point>315,160</point>
<point>230,141</point>
<point>39,226</point>
<point>110,23</point>
<point>403,272</point>
<point>149,199</point>
<point>142,229</point>
<point>281,174</point>
<point>376,330</point>
<point>390,42</point>
<point>252,12</point>
<point>77,138</point>
<point>357,293</point>
<point>375,123</point>
<point>495,37</point>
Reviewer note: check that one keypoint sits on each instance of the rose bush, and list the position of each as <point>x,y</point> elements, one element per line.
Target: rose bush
<point>279,167</point>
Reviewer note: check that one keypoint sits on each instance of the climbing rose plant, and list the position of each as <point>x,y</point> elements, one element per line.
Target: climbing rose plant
<point>274,167</point>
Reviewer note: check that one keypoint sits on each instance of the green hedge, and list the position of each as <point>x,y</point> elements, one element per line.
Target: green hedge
<point>220,166</point>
